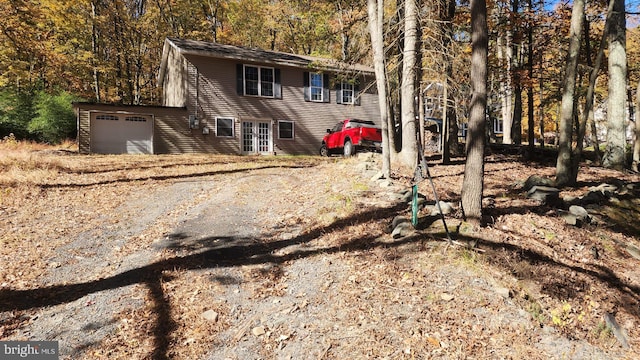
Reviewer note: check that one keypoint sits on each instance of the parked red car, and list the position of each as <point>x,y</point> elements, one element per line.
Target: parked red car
<point>351,135</point>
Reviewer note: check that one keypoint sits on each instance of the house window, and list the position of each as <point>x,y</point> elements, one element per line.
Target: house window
<point>347,93</point>
<point>285,129</point>
<point>497,126</point>
<point>316,86</point>
<point>224,127</point>
<point>107,117</point>
<point>259,81</point>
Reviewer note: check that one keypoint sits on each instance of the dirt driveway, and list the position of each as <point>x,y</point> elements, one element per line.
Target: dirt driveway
<point>266,260</point>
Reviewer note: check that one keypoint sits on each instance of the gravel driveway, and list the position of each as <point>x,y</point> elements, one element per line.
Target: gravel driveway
<point>279,285</point>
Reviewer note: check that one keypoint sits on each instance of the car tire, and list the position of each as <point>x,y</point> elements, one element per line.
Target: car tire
<point>324,151</point>
<point>349,149</point>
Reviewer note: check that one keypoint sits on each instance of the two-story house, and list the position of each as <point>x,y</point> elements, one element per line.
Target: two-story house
<point>233,100</point>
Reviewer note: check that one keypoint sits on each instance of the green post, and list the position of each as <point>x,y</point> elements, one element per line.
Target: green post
<point>414,206</point>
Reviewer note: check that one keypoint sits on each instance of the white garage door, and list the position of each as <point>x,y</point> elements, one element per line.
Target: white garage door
<point>117,133</point>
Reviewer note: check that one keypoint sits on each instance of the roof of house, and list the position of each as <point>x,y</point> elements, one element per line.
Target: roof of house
<point>222,51</point>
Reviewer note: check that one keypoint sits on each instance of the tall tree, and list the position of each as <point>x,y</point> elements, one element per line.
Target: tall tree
<point>409,153</point>
<point>375,9</point>
<point>635,165</point>
<point>473,182</point>
<point>563,164</point>
<point>614,155</point>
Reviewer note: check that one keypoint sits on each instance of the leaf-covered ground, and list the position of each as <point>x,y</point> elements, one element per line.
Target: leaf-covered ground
<point>220,257</point>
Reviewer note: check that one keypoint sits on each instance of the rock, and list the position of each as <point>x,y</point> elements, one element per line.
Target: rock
<point>210,315</point>
<point>617,331</point>
<point>446,297</point>
<point>385,183</point>
<point>580,213</point>
<point>604,188</point>
<point>379,175</point>
<point>402,230</point>
<point>399,220</point>
<point>258,331</point>
<point>569,218</point>
<point>633,251</point>
<point>446,207</point>
<point>504,292</point>
<point>545,194</point>
<point>535,180</point>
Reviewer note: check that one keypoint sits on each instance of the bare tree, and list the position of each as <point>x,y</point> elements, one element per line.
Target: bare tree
<point>473,182</point>
<point>409,152</point>
<point>636,143</point>
<point>614,155</point>
<point>563,164</point>
<point>375,9</point>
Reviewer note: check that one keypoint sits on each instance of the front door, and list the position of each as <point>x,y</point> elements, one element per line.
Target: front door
<point>256,137</point>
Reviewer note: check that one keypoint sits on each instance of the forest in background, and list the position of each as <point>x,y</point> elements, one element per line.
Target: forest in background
<point>55,52</point>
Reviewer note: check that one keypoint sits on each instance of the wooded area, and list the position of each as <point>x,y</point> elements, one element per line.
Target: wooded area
<point>541,64</point>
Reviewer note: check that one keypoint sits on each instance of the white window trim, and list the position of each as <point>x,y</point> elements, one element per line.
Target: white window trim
<point>233,127</point>
<point>293,130</point>
<point>498,126</point>
<point>321,87</point>
<point>352,90</point>
<point>273,83</point>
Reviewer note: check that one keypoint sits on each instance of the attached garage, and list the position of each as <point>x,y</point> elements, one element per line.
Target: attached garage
<point>121,133</point>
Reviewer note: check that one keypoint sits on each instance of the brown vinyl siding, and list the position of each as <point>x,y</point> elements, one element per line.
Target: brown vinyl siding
<point>217,96</point>
<point>206,87</point>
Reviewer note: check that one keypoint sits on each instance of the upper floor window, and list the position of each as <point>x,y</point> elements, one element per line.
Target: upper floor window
<point>316,87</point>
<point>259,81</point>
<point>347,92</point>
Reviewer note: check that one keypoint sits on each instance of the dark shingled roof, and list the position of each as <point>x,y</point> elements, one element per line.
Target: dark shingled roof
<point>217,50</point>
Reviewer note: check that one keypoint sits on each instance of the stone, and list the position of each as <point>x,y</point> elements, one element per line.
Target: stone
<point>617,331</point>
<point>399,220</point>
<point>210,315</point>
<point>379,175</point>
<point>569,218</point>
<point>606,189</point>
<point>580,213</point>
<point>633,251</point>
<point>446,207</point>
<point>446,297</point>
<point>258,331</point>
<point>535,180</point>
<point>402,230</point>
<point>504,292</point>
<point>385,183</point>
<point>545,194</point>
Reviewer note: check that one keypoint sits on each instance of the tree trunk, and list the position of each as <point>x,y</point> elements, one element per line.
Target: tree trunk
<point>516,126</point>
<point>530,116</point>
<point>473,182</point>
<point>409,153</point>
<point>504,58</point>
<point>375,9</point>
<point>565,130</point>
<point>588,104</point>
<point>636,143</point>
<point>450,141</point>
<point>614,156</point>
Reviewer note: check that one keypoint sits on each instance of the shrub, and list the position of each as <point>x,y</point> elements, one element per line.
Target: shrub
<point>55,120</point>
